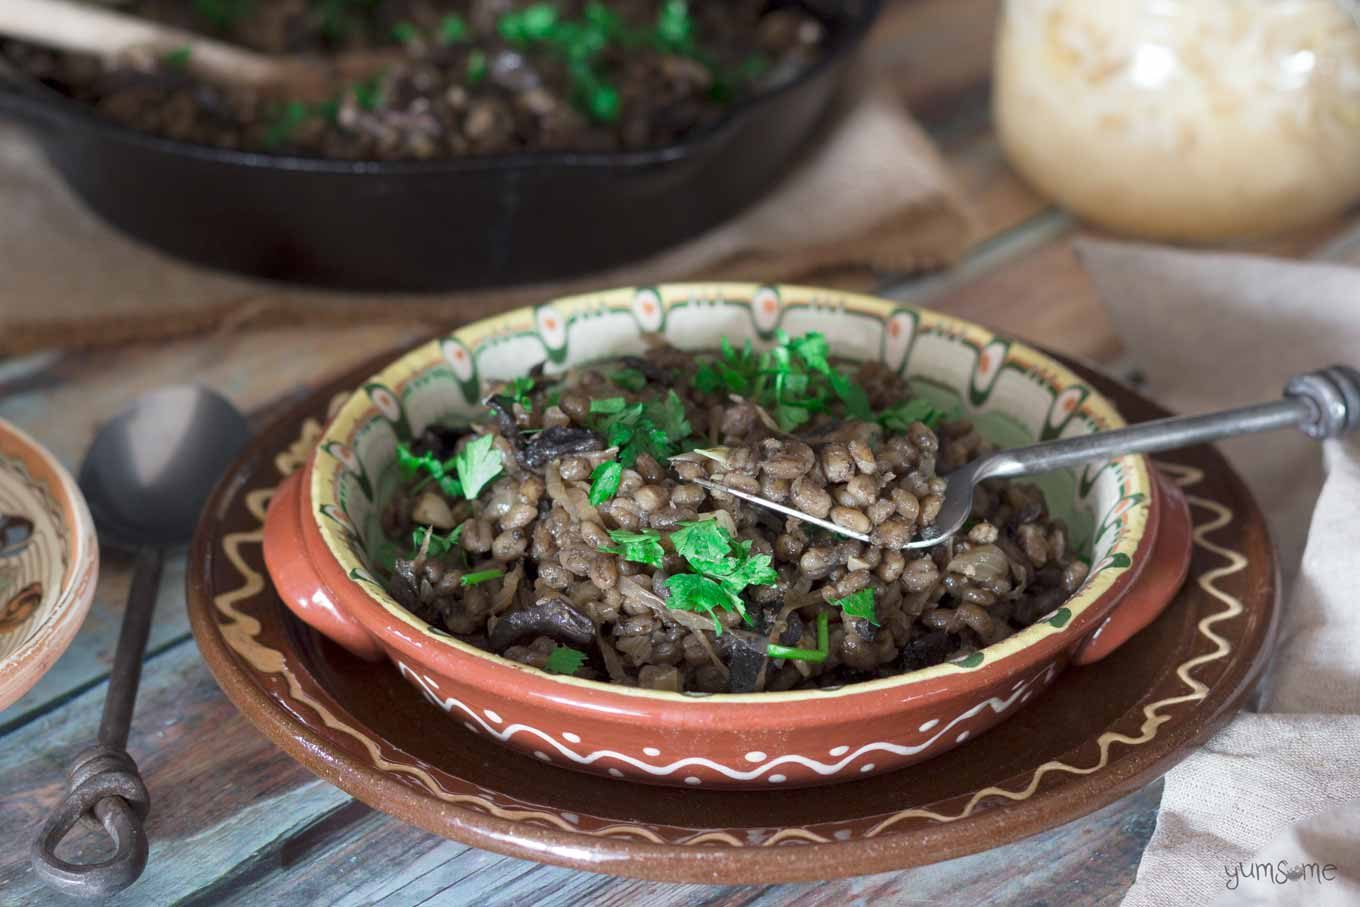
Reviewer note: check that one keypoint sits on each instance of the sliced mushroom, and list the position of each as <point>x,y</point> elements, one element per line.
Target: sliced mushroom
<point>932,648</point>
<point>651,370</point>
<point>553,617</point>
<point>747,659</point>
<point>555,443</point>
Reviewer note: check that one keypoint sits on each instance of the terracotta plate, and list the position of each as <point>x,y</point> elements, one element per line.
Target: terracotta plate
<point>1101,731</point>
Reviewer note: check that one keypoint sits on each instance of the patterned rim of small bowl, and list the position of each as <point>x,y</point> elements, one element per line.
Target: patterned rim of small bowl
<point>46,641</point>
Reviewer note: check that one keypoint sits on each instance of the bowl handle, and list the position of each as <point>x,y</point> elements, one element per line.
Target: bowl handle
<point>297,582</point>
<point>1156,586</point>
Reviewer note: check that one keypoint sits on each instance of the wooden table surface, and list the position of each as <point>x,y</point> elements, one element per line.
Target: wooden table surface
<point>234,821</point>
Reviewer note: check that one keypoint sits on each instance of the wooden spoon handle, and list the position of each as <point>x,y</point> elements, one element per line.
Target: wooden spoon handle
<point>82,28</point>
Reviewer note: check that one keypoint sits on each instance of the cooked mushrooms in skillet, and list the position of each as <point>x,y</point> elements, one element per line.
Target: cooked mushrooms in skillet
<point>470,77</point>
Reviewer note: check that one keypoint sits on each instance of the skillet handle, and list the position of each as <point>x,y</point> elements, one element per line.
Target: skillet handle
<point>297,582</point>
<point>1156,586</point>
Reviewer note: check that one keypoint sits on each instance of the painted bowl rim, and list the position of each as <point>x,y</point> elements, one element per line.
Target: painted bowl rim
<point>1009,653</point>
<point>72,603</point>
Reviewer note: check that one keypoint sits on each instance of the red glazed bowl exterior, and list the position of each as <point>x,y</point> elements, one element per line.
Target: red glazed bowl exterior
<point>792,739</point>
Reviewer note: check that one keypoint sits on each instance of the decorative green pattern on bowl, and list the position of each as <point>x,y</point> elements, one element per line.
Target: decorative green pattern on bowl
<point>1012,393</point>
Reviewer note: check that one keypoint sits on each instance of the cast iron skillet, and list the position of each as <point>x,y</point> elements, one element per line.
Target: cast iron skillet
<point>433,225</point>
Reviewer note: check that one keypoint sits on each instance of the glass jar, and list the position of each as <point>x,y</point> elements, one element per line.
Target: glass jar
<point>1184,119</point>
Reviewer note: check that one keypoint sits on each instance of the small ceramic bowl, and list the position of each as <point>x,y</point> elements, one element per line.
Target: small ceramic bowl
<point>49,561</point>
<point>324,522</point>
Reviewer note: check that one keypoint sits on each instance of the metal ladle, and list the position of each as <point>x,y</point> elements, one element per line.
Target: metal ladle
<point>1322,404</point>
<point>145,478</point>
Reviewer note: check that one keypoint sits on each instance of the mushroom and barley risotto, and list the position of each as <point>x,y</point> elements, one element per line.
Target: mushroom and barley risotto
<point>466,77</point>
<point>566,531</point>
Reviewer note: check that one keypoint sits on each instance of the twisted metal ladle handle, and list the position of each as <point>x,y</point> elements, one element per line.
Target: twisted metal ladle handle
<point>105,792</point>
<point>1334,394</point>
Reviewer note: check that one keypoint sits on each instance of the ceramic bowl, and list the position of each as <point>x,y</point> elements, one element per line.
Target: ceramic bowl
<point>48,568</point>
<point>324,522</point>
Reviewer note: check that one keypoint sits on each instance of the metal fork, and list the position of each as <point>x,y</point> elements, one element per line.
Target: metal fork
<point>1322,404</point>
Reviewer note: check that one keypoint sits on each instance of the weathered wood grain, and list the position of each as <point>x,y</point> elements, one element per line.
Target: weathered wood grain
<point>62,399</point>
<point>221,793</point>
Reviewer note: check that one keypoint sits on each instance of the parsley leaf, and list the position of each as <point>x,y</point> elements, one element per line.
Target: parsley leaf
<point>898,418</point>
<point>630,379</point>
<point>564,660</point>
<point>735,372</point>
<point>439,545</point>
<point>476,66</point>
<point>639,547</point>
<point>719,562</point>
<point>609,405</point>
<point>405,32</point>
<point>452,29</point>
<point>703,540</point>
<point>177,58</point>
<point>812,348</point>
<point>412,465</point>
<point>859,604</point>
<point>477,463</point>
<point>853,396</point>
<point>752,571</point>
<point>811,655</point>
<point>692,592</point>
<point>480,576</point>
<point>518,391</point>
<point>642,427</point>
<point>669,416</point>
<point>604,482</point>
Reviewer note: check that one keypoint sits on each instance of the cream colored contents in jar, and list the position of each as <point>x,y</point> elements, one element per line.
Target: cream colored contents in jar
<point>1184,119</point>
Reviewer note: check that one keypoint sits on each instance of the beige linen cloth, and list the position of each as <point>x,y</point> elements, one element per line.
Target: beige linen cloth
<point>873,194</point>
<point>1281,784</point>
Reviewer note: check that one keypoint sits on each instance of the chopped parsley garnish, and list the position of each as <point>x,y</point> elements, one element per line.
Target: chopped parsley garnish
<point>284,122</point>
<point>452,29</point>
<point>653,428</point>
<point>859,604</point>
<point>476,67</point>
<point>669,416</point>
<point>703,541</point>
<point>477,463</point>
<point>630,379</point>
<point>564,660</point>
<point>899,418</point>
<point>609,405</point>
<point>735,372</point>
<point>368,92</point>
<point>222,14</point>
<point>795,379</point>
<point>812,655</point>
<point>439,545</point>
<point>178,58</point>
<point>443,473</point>
<point>722,569</point>
<point>464,474</point>
<point>406,32</point>
<point>604,482</point>
<point>639,547</point>
<point>692,592</point>
<point>518,391</point>
<point>339,18</point>
<point>480,576</point>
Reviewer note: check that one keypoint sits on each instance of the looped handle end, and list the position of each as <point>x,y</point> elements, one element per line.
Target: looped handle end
<point>104,793</point>
<point>1333,395</point>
